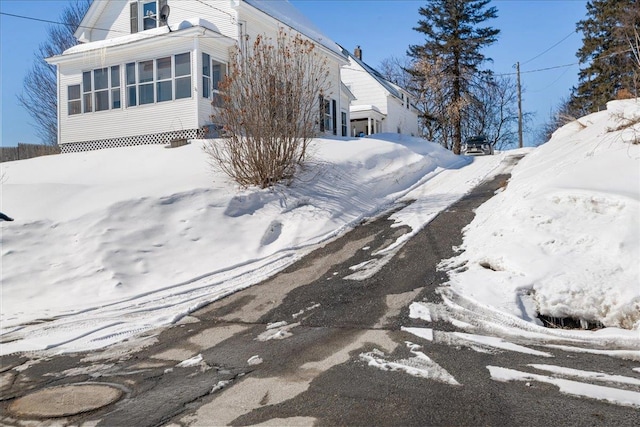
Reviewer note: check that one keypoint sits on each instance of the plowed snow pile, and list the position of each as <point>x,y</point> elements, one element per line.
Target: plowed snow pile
<point>563,239</point>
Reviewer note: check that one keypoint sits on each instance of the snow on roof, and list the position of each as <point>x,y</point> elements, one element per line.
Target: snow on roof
<point>358,108</point>
<point>286,13</point>
<point>143,35</point>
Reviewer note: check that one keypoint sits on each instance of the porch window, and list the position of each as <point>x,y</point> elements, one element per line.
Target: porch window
<point>115,87</point>
<point>132,99</point>
<point>145,78</point>
<point>86,92</point>
<point>100,89</point>
<point>159,80</point>
<point>343,116</point>
<point>183,75</point>
<point>101,82</point>
<point>212,74</point>
<point>74,105</point>
<point>164,84</point>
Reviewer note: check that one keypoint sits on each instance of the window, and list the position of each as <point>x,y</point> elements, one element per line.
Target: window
<point>101,84</point>
<point>144,14</point>
<point>86,92</point>
<point>132,99</point>
<point>159,80</point>
<point>115,87</point>
<point>212,74</point>
<point>327,115</point>
<point>183,75</point>
<point>343,116</point>
<point>74,102</point>
<point>150,14</point>
<point>164,84</point>
<point>100,91</point>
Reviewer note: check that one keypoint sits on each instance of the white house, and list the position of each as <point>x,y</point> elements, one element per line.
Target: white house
<point>141,77</point>
<point>380,105</point>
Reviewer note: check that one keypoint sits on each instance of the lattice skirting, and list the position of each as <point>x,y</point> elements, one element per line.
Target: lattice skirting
<point>158,138</point>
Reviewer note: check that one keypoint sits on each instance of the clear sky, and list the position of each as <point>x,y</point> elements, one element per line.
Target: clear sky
<point>382,28</point>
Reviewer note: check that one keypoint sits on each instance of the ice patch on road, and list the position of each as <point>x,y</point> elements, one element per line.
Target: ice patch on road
<point>418,366</point>
<point>418,310</point>
<point>277,331</point>
<point>598,392</point>
<point>588,375</point>
<point>194,361</point>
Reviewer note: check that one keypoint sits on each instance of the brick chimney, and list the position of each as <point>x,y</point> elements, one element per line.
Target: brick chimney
<point>357,52</point>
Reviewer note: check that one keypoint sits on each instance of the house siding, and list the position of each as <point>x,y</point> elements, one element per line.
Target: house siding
<point>115,18</point>
<point>400,117</point>
<point>364,87</point>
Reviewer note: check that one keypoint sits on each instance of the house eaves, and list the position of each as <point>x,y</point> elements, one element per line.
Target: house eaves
<point>89,20</point>
<point>194,27</point>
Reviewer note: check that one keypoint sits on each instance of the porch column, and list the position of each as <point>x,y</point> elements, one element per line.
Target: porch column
<point>368,125</point>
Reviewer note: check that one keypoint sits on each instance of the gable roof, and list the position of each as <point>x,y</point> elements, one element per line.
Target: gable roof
<point>390,87</point>
<point>286,13</point>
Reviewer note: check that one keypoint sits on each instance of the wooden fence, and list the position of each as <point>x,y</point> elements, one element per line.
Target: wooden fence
<point>27,151</point>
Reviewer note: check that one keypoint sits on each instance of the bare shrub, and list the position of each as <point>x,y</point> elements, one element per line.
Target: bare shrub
<point>269,109</point>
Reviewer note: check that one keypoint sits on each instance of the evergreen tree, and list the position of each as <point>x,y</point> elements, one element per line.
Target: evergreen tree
<point>610,71</point>
<point>40,95</point>
<point>452,49</point>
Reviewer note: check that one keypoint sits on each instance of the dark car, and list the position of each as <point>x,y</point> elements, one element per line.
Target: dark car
<point>477,145</point>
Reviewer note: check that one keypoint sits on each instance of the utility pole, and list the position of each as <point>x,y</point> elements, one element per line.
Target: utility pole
<point>519,106</point>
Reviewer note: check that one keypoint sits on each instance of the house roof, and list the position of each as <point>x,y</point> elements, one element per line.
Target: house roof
<point>286,13</point>
<point>392,88</point>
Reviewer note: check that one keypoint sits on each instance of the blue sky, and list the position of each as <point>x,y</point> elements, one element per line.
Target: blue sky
<point>382,28</point>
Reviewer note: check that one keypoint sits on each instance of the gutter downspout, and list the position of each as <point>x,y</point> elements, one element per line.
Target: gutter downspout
<point>195,76</point>
<point>59,106</point>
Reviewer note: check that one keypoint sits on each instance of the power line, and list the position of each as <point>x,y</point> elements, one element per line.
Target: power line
<point>548,49</point>
<point>66,24</point>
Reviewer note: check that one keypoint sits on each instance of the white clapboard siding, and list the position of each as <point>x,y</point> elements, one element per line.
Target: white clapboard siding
<point>114,20</point>
<point>365,88</point>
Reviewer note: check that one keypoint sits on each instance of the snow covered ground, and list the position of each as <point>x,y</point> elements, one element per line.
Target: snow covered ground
<point>564,238</point>
<point>111,243</point>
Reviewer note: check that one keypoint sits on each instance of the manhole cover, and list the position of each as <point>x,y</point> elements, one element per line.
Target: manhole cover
<point>63,401</point>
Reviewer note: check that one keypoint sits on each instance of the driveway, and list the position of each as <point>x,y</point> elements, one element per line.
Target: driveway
<point>332,340</point>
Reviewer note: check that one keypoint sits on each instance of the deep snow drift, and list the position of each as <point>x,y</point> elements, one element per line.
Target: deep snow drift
<point>564,238</point>
<point>111,243</point>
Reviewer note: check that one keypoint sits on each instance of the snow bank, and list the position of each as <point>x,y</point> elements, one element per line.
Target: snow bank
<point>109,243</point>
<point>563,240</point>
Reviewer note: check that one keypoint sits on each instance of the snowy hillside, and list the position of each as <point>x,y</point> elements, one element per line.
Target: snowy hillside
<point>564,238</point>
<point>111,243</point>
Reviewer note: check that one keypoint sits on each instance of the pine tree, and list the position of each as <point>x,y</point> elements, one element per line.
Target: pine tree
<point>453,45</point>
<point>610,71</point>
<point>40,96</point>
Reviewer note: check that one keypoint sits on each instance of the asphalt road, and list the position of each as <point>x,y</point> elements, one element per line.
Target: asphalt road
<point>296,350</point>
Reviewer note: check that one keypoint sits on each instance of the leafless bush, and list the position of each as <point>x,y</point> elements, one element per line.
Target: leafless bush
<point>269,109</point>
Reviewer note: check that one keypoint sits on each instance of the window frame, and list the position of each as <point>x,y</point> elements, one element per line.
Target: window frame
<point>77,101</point>
<point>95,97</point>
<point>139,21</point>
<point>210,84</point>
<point>177,82</point>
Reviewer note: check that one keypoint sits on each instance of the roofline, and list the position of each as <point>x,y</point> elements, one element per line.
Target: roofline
<point>90,17</point>
<point>376,75</point>
<point>155,37</point>
<point>342,59</point>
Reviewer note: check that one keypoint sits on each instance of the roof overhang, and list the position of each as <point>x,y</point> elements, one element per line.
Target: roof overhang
<point>89,20</point>
<point>149,38</point>
<point>359,112</point>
